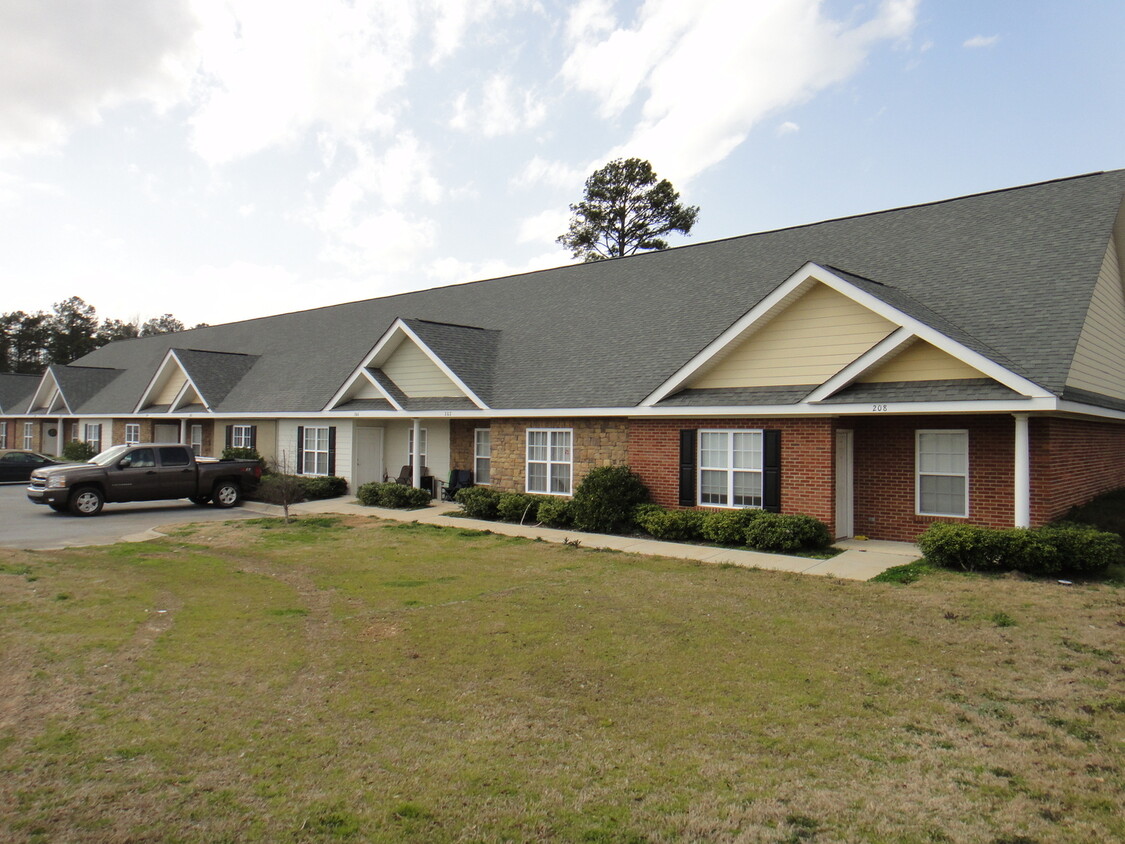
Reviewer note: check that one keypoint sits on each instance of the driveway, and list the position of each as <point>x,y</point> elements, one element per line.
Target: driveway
<point>34,526</point>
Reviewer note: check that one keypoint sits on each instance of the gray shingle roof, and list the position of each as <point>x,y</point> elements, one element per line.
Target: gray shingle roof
<point>736,396</point>
<point>467,350</point>
<point>1010,273</point>
<point>968,389</point>
<point>80,385</point>
<point>16,390</point>
<point>215,373</point>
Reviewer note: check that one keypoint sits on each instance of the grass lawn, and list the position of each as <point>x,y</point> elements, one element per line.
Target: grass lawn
<point>351,679</point>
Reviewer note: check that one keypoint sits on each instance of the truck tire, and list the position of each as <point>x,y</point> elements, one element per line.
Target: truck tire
<point>86,501</point>
<point>226,494</point>
<point>199,499</point>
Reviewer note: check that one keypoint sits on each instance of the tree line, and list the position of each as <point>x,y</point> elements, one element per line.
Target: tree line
<point>29,342</point>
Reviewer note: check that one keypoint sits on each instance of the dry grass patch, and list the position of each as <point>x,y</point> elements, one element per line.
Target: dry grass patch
<point>352,679</point>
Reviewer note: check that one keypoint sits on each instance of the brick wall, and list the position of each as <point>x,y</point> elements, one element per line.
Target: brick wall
<point>1073,461</point>
<point>596,442</point>
<point>462,442</point>
<point>808,470</point>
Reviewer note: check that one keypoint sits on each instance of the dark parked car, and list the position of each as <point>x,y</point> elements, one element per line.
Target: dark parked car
<point>17,464</point>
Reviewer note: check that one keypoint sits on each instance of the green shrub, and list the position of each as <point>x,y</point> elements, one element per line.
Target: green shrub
<point>604,501</point>
<point>674,525</point>
<point>786,532</point>
<point>518,507</point>
<point>78,451</point>
<point>392,495</point>
<point>729,526</point>
<point>478,502</point>
<point>1044,551</point>
<point>328,486</point>
<point>232,453</point>
<point>556,512</point>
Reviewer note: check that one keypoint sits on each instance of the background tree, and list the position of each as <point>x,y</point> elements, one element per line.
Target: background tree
<point>625,210</point>
<point>72,329</point>
<point>113,330</point>
<point>26,339</point>
<point>165,324</point>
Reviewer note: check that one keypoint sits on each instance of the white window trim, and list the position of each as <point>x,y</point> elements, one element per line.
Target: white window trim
<point>28,435</point>
<point>241,436</point>
<point>425,437</point>
<point>548,463</point>
<point>918,472</point>
<point>306,452</point>
<point>477,456</point>
<point>3,433</point>
<point>133,428</point>
<point>195,439</point>
<point>729,469</point>
<point>87,429</point>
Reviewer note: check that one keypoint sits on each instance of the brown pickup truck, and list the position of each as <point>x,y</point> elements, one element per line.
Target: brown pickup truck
<point>146,472</point>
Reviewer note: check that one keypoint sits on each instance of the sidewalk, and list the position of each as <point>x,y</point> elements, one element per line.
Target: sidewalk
<point>861,560</point>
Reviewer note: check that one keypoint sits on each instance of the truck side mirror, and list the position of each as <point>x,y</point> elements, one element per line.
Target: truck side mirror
<point>124,462</point>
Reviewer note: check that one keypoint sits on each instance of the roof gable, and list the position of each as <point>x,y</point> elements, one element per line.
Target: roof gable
<point>16,390</point>
<point>188,377</point>
<point>1098,365</point>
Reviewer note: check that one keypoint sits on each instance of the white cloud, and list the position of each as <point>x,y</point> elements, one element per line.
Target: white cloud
<point>456,271</point>
<point>788,128</point>
<point>981,41</point>
<point>502,110</point>
<point>706,72</point>
<point>544,227</point>
<point>540,171</point>
<point>452,20</point>
<point>63,64</point>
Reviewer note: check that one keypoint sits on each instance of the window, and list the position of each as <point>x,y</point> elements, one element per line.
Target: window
<point>132,433</point>
<point>314,452</point>
<point>92,435</point>
<point>942,468</point>
<point>482,456</point>
<point>241,436</point>
<point>410,446</point>
<point>28,434</point>
<point>173,456</point>
<point>3,434</point>
<point>549,460</point>
<point>730,468</point>
<point>197,440</point>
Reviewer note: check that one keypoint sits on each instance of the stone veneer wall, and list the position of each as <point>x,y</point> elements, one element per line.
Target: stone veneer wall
<point>596,442</point>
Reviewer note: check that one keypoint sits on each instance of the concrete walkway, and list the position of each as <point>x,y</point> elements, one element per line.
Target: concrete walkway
<point>861,559</point>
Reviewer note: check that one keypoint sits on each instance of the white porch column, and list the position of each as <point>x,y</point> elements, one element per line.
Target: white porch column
<point>416,455</point>
<point>1022,472</point>
<point>183,431</point>
<point>60,440</point>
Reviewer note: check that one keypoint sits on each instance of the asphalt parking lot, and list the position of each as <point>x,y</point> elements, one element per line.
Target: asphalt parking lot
<point>37,527</point>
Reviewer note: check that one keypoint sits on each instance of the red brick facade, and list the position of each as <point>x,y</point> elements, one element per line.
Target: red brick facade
<point>1073,461</point>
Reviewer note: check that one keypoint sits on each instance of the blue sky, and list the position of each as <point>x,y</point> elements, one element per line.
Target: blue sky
<point>226,160</point>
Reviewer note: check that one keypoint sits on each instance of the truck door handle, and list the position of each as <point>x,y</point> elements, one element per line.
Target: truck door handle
<point>151,472</point>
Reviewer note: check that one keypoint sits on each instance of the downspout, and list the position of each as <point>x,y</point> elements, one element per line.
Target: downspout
<point>416,456</point>
<point>1022,472</point>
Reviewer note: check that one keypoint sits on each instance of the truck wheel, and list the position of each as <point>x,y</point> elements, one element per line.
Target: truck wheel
<point>199,499</point>
<point>226,494</point>
<point>86,501</point>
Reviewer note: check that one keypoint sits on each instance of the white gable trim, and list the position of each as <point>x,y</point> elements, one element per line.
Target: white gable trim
<point>383,349</point>
<point>793,287</point>
<point>170,359</point>
<point>45,398</point>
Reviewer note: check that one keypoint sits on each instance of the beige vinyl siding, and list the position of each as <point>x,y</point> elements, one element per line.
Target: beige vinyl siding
<point>287,444</point>
<point>396,437</point>
<point>170,388</point>
<point>265,438</point>
<point>806,343</point>
<point>417,375</point>
<point>1099,359</point>
<point>364,389</point>
<point>921,362</point>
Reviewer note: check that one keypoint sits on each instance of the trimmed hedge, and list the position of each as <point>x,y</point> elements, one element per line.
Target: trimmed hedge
<point>328,486</point>
<point>786,532</point>
<point>604,501</point>
<point>478,502</point>
<point>556,512</point>
<point>78,451</point>
<point>518,507</point>
<point>670,525</point>
<point>1048,550</point>
<point>392,495</point>
<point>728,527</point>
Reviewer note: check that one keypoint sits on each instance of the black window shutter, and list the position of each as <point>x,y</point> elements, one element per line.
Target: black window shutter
<point>771,471</point>
<point>300,449</point>
<point>687,468</point>
<point>229,428</point>
<point>332,450</point>
<point>253,436</point>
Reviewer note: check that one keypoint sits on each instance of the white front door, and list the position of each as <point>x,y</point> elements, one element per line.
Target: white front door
<point>368,456</point>
<point>164,432</point>
<point>50,438</point>
<point>845,503</point>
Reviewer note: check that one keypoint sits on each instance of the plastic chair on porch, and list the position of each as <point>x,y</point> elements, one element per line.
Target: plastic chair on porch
<point>458,479</point>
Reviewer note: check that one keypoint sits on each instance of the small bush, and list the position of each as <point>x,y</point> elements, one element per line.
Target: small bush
<point>556,512</point>
<point>478,502</point>
<point>728,527</point>
<point>232,453</point>
<point>392,495</point>
<point>674,525</point>
<point>78,451</point>
<point>786,532</point>
<point>604,501</point>
<point>1080,549</point>
<point>518,507</point>
<point>329,486</point>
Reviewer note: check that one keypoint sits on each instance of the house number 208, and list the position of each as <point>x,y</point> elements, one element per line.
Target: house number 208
<point>878,408</point>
